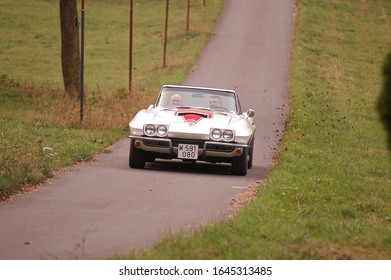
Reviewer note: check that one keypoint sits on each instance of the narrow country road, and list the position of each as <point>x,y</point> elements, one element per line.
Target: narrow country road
<point>101,208</point>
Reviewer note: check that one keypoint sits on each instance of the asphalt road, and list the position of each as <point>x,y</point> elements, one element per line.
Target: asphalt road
<point>100,208</point>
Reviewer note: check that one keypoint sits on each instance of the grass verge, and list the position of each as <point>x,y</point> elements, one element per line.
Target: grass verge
<point>40,129</point>
<point>329,195</point>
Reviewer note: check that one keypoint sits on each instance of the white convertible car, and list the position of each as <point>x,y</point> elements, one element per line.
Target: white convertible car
<point>193,124</point>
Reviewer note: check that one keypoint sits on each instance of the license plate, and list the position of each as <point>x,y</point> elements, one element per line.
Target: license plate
<point>187,151</point>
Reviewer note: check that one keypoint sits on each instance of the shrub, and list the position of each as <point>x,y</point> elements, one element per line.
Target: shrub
<point>384,102</point>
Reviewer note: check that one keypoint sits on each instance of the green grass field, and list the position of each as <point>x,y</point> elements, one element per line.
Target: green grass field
<point>328,196</point>
<point>30,41</point>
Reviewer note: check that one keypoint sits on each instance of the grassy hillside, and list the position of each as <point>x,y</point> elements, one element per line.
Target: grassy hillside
<point>329,195</point>
<point>39,124</point>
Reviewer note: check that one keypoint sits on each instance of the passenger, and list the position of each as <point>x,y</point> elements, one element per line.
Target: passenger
<point>215,102</point>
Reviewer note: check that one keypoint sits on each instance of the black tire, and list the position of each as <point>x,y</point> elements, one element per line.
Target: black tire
<point>251,154</point>
<point>239,164</point>
<point>137,157</point>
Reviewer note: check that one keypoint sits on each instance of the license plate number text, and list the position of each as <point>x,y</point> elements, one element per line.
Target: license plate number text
<point>187,151</point>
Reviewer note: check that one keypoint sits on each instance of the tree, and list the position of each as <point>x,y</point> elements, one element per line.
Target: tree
<point>70,52</point>
<point>384,102</point>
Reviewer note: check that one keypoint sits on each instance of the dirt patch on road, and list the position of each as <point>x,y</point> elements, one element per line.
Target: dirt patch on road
<point>249,193</point>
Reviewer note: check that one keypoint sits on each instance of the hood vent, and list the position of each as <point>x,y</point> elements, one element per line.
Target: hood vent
<point>193,116</point>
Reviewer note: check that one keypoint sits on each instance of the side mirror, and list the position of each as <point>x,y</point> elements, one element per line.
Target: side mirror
<point>250,113</point>
<point>150,107</point>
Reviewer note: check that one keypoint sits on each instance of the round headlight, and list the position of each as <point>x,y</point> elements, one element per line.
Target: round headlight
<point>150,129</point>
<point>228,135</point>
<point>216,134</point>
<point>162,130</point>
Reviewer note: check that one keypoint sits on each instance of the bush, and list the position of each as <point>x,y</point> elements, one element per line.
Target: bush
<point>384,102</point>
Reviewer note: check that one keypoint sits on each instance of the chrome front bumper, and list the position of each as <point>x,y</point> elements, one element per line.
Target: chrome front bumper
<point>206,148</point>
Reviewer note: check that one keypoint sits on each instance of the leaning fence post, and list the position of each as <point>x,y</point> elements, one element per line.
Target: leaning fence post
<point>165,35</point>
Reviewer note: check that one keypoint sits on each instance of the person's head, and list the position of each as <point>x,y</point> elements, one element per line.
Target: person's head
<point>215,101</point>
<point>176,100</point>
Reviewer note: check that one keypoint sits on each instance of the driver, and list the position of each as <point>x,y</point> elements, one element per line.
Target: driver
<point>176,100</point>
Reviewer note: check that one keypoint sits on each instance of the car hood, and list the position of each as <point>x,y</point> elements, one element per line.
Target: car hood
<point>191,123</point>
<point>184,119</point>
<point>193,117</point>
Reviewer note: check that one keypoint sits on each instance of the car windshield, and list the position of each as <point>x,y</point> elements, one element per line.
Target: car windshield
<point>214,99</point>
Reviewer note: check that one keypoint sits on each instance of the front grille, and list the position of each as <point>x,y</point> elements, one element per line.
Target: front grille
<point>156,143</point>
<point>220,148</point>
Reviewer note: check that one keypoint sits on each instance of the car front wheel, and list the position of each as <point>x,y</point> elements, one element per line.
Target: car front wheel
<point>136,156</point>
<point>239,164</point>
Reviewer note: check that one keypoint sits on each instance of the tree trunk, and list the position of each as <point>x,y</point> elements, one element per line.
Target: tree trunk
<point>70,54</point>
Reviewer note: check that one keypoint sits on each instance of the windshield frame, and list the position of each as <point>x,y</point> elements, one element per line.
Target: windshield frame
<point>198,97</point>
